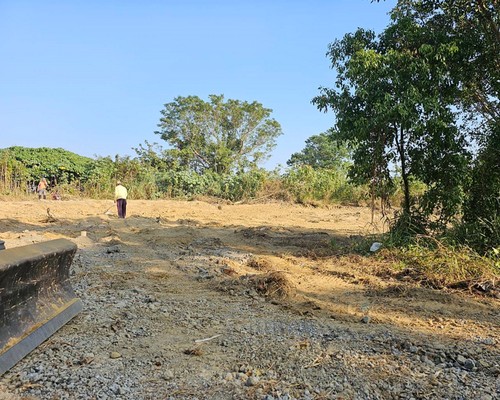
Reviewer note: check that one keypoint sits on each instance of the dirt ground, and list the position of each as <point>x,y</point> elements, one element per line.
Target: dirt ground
<point>291,258</point>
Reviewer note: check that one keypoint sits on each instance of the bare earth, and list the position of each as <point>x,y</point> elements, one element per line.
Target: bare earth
<point>205,300</point>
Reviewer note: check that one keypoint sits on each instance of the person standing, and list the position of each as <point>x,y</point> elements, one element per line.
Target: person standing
<point>121,199</point>
<point>42,189</point>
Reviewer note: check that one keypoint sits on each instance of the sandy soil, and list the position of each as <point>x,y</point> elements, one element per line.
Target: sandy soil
<point>197,249</point>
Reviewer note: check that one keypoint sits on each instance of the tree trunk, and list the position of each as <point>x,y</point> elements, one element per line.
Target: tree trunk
<point>404,173</point>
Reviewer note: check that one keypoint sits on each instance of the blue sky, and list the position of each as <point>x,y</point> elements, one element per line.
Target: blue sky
<point>92,76</point>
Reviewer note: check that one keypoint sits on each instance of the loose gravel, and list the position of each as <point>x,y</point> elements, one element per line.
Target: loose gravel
<point>159,323</point>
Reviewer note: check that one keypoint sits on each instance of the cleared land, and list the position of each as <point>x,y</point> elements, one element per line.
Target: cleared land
<point>286,309</point>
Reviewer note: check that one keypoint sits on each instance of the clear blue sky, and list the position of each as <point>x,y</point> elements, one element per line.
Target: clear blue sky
<point>91,76</point>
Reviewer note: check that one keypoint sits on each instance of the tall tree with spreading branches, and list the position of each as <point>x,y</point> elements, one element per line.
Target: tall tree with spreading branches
<point>217,135</point>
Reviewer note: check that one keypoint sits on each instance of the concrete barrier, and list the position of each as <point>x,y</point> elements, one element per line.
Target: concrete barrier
<point>36,297</point>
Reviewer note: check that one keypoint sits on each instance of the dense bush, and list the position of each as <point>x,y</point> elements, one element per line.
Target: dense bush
<point>14,175</point>
<point>244,185</point>
<point>185,183</point>
<point>307,184</point>
<point>234,187</point>
<point>59,166</point>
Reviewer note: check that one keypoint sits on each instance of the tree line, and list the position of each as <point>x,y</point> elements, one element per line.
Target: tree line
<point>153,173</point>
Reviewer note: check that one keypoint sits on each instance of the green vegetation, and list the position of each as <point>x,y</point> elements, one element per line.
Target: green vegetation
<point>308,185</point>
<point>422,98</point>
<point>22,168</point>
<point>217,136</point>
<point>396,104</point>
<point>324,151</point>
<point>421,103</point>
<point>149,176</point>
<point>436,264</point>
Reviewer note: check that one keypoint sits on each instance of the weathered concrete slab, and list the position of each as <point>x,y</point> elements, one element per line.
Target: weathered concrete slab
<point>36,297</point>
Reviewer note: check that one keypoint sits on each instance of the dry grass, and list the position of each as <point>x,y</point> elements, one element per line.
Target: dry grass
<point>195,351</point>
<point>260,264</point>
<point>442,267</point>
<point>272,284</point>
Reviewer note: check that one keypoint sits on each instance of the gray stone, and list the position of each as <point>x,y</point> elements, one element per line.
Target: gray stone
<point>461,359</point>
<point>168,374</point>
<point>469,364</point>
<point>116,389</point>
<point>252,381</point>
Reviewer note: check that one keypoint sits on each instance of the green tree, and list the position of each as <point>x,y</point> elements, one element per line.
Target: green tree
<point>154,156</point>
<point>323,151</point>
<point>219,136</point>
<point>58,165</point>
<point>392,98</point>
<point>481,220</point>
<point>472,29</point>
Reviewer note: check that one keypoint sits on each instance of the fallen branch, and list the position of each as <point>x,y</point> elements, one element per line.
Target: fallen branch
<point>318,360</point>
<point>206,339</point>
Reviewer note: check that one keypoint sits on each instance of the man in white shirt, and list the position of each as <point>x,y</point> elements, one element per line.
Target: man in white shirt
<point>121,199</point>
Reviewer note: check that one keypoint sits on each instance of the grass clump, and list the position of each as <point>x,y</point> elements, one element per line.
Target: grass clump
<point>435,264</point>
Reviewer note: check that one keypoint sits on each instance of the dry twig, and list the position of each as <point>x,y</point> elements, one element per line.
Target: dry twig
<point>318,360</point>
<point>206,339</point>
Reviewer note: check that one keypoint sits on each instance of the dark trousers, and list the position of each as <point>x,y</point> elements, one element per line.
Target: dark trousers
<point>121,205</point>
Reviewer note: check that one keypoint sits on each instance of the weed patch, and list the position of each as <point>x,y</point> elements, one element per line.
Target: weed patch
<point>442,266</point>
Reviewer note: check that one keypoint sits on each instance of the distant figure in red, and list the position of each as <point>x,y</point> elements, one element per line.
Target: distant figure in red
<point>42,189</point>
<point>121,199</point>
